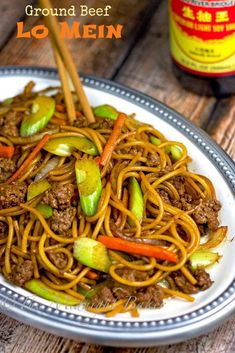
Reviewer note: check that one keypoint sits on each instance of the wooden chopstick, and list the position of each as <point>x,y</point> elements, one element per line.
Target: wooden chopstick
<point>68,97</point>
<point>53,26</point>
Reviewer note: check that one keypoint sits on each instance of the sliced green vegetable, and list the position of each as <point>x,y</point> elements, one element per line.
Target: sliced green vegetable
<point>136,201</point>
<point>106,111</point>
<point>155,141</point>
<point>45,210</point>
<point>92,253</point>
<point>37,188</point>
<point>88,294</point>
<point>42,111</point>
<point>203,258</point>
<point>89,185</point>
<point>8,101</point>
<point>35,107</point>
<point>64,146</point>
<point>42,290</point>
<point>176,153</point>
<point>164,283</point>
<point>168,149</point>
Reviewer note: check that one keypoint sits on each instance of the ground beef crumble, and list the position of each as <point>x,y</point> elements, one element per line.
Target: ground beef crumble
<point>183,284</point>
<point>207,213</point>
<point>203,279</point>
<point>61,221</point>
<point>21,272</point>
<point>165,170</point>
<point>103,297</point>
<point>10,124</point>
<point>7,168</point>
<point>121,291</point>
<point>102,123</point>
<point>179,184</point>
<point>165,197</point>
<point>132,275</point>
<point>150,297</point>
<point>134,150</point>
<point>12,195</point>
<point>153,160</point>
<point>59,259</point>
<point>59,196</point>
<point>204,212</point>
<point>80,122</point>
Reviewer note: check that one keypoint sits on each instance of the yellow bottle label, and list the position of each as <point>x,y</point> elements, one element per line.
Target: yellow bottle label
<point>202,36</point>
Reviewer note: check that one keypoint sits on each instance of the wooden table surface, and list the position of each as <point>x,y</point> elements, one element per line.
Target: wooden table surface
<point>139,60</point>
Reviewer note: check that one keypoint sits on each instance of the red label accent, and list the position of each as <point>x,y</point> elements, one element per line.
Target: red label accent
<point>205,22</point>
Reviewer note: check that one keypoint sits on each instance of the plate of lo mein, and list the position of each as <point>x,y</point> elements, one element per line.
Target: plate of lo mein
<point>120,231</point>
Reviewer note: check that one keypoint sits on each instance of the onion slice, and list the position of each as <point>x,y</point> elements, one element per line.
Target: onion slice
<point>150,241</point>
<point>215,238</point>
<point>52,163</point>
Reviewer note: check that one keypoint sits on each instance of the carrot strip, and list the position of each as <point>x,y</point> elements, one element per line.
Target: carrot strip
<point>111,143</point>
<point>136,248</point>
<point>60,108</point>
<point>78,114</point>
<point>92,275</point>
<point>7,151</point>
<point>135,313</point>
<point>97,160</point>
<point>29,159</point>
<point>58,121</point>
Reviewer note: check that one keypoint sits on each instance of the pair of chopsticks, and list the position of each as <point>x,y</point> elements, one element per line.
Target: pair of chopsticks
<point>67,69</point>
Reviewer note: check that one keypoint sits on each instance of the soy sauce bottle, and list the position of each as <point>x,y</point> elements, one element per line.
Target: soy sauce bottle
<point>202,45</point>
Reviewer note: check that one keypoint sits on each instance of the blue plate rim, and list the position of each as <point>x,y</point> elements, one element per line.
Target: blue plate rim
<point>122,333</point>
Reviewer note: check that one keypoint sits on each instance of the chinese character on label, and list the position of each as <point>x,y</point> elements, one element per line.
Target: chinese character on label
<point>202,43</point>
<point>221,16</point>
<point>188,12</point>
<point>204,16</point>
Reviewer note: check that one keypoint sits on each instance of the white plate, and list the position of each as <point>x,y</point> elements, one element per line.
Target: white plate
<point>178,319</point>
